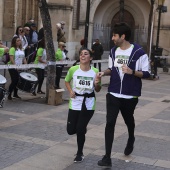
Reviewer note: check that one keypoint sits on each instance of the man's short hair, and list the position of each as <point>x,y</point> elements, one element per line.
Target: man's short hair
<point>122,28</point>
<point>33,25</point>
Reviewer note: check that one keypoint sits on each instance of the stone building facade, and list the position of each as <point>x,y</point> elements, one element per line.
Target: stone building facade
<point>103,15</point>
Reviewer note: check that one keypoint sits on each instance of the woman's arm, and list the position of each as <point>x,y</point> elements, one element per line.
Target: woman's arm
<point>105,73</point>
<point>71,92</point>
<point>41,61</point>
<point>12,59</point>
<point>25,61</point>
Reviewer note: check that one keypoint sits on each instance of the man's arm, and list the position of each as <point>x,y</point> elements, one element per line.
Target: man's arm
<point>105,73</point>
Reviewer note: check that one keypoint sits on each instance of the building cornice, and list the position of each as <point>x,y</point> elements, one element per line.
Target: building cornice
<point>60,6</point>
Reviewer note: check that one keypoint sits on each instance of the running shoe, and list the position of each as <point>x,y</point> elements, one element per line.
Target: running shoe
<point>106,162</point>
<point>129,146</point>
<point>79,158</point>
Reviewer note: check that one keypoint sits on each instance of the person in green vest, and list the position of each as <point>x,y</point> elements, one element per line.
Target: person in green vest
<point>60,56</point>
<point>41,58</point>
<point>17,57</point>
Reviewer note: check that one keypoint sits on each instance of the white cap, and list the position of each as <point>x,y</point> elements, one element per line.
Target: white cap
<point>58,25</point>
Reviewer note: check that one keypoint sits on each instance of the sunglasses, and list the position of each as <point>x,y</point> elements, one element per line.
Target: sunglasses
<point>20,30</point>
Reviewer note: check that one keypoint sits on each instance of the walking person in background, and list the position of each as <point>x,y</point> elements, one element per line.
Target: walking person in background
<point>97,50</point>
<point>81,81</point>
<point>128,63</point>
<point>61,32</point>
<point>41,58</point>
<point>17,57</point>
<point>60,56</point>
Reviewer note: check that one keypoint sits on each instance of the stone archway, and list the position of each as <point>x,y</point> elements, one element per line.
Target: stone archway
<point>104,14</point>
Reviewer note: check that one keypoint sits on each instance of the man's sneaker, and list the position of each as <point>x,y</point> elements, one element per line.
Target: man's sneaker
<point>129,147</point>
<point>105,162</point>
<point>79,158</point>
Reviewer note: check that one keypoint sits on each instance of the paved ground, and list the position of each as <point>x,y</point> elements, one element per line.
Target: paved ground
<point>33,134</point>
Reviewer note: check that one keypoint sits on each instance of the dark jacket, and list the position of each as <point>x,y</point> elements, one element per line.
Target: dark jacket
<point>98,51</point>
<point>130,85</point>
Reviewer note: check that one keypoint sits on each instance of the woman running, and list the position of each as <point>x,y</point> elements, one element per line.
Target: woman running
<point>81,81</point>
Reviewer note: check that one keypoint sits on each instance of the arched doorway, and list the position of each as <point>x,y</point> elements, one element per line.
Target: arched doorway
<point>129,19</point>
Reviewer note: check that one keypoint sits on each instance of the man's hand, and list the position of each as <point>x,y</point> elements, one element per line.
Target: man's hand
<point>126,69</point>
<point>100,74</point>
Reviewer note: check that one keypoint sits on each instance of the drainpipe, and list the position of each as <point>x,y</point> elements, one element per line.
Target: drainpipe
<point>15,15</point>
<point>87,24</point>
<point>1,17</point>
<point>76,15</point>
<point>150,28</point>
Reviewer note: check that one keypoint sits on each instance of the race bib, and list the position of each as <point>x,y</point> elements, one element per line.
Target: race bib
<point>84,82</point>
<point>119,62</point>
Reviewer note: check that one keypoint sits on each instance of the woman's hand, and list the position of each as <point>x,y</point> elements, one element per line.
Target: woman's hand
<point>72,94</point>
<point>97,80</point>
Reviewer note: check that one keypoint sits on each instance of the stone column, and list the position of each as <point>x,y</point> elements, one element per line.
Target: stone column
<point>1,17</point>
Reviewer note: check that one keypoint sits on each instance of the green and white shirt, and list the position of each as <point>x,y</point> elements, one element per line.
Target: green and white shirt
<point>2,52</point>
<point>18,54</point>
<point>41,53</point>
<point>82,82</point>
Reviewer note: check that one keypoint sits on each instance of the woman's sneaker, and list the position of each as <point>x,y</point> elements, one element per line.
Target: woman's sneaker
<point>79,158</point>
<point>105,162</point>
<point>129,147</point>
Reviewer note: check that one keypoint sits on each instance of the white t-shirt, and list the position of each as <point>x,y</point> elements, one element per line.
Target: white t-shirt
<point>18,54</point>
<point>82,82</point>
<point>121,57</point>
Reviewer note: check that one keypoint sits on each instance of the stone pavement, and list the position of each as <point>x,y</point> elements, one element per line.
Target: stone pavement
<point>33,134</point>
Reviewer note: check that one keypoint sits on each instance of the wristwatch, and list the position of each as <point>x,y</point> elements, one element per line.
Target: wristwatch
<point>133,72</point>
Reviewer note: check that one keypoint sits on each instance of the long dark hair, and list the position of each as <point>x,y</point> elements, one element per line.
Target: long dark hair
<point>86,50</point>
<point>41,43</point>
<point>18,29</point>
<point>13,42</point>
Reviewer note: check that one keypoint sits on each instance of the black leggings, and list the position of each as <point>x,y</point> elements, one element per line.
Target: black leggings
<point>127,107</point>
<point>58,76</point>
<point>14,74</point>
<point>40,74</point>
<point>76,124</point>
